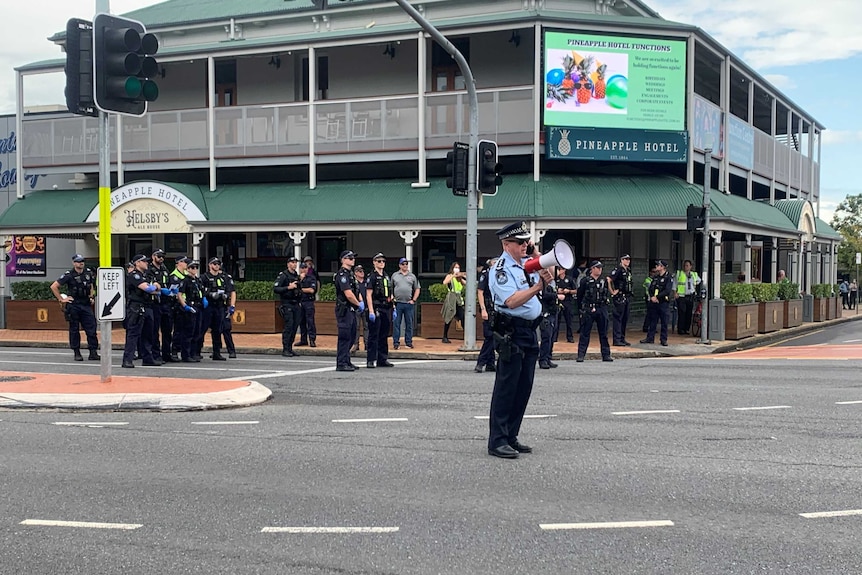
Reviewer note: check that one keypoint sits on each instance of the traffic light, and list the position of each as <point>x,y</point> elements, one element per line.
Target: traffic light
<point>488,169</point>
<point>456,168</point>
<point>694,218</point>
<point>125,66</point>
<point>79,67</point>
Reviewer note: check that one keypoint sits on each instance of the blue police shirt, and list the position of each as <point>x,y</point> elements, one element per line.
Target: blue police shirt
<point>507,277</point>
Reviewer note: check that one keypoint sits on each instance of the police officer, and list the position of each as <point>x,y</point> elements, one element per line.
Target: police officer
<point>347,304</point>
<point>378,298</point>
<point>309,285</point>
<point>215,302</point>
<point>163,322</point>
<point>78,301</point>
<point>140,299</point>
<point>686,293</point>
<point>620,285</point>
<point>517,313</point>
<point>550,313</point>
<point>593,295</point>
<point>660,295</point>
<point>227,326</point>
<point>195,300</point>
<point>185,319</point>
<point>566,290</point>
<point>486,360</point>
<point>287,287</point>
<point>361,316</point>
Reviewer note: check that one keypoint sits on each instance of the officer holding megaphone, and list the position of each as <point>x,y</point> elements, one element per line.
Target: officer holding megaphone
<point>515,283</point>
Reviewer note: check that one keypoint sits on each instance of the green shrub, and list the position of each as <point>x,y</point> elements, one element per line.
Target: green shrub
<point>821,290</point>
<point>32,290</point>
<point>788,290</point>
<point>255,291</point>
<point>438,291</point>
<point>764,292</point>
<point>326,292</point>
<point>736,293</point>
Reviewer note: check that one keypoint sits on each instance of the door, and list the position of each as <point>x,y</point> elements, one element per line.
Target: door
<point>446,76</point>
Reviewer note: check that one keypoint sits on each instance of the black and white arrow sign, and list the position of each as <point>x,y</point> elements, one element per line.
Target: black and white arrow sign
<point>111,295</point>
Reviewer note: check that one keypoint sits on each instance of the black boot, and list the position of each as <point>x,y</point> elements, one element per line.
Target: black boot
<point>446,332</point>
<point>78,356</point>
<point>312,342</point>
<point>94,355</point>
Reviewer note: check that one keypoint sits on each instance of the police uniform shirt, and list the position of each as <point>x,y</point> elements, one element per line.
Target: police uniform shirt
<point>133,279</point>
<point>661,288</point>
<point>344,282</point>
<point>380,288</point>
<point>211,284</point>
<point>229,287</point>
<point>509,277</point>
<point>160,274</point>
<point>482,284</point>
<point>309,281</point>
<point>621,278</point>
<point>78,285</point>
<point>593,293</point>
<point>284,279</point>
<point>566,283</point>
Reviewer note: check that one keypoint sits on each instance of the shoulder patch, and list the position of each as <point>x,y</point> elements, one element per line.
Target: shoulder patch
<point>502,277</point>
<point>343,279</point>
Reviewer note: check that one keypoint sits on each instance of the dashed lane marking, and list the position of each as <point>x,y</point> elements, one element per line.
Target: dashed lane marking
<point>762,408</point>
<point>649,412</point>
<point>80,524</point>
<point>315,370</point>
<point>370,420</point>
<point>605,525</point>
<point>91,423</point>
<point>825,514</point>
<point>848,402</point>
<point>336,530</point>
<point>225,422</point>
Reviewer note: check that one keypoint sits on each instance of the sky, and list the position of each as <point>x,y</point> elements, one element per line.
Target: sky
<point>811,51</point>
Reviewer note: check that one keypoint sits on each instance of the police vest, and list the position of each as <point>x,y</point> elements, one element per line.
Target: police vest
<point>681,278</point>
<point>381,292</point>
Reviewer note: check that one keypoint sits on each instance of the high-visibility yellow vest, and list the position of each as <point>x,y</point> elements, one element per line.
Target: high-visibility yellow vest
<point>681,279</point>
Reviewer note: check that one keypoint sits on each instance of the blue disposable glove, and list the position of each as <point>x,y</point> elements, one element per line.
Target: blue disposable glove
<point>361,306</point>
<point>231,309</point>
<point>175,289</point>
<point>189,308</point>
<point>166,291</point>
<point>150,288</point>
<point>371,317</point>
<point>206,303</point>
<point>394,314</point>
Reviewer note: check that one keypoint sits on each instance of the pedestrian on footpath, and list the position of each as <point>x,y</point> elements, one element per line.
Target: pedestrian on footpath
<point>566,289</point>
<point>288,290</point>
<point>517,313</point>
<point>227,327</point>
<point>687,282</point>
<point>405,290</point>
<point>361,316</point>
<point>593,295</point>
<point>347,303</point>
<point>77,304</point>
<point>854,290</point>
<point>378,298</point>
<point>308,285</point>
<point>620,286</point>
<point>140,299</point>
<point>661,293</point>
<point>486,360</point>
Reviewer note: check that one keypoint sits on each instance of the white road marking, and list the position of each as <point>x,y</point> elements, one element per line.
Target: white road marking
<point>821,514</point>
<point>763,408</point>
<point>605,525</point>
<point>847,402</point>
<point>541,416</point>
<point>329,530</point>
<point>316,370</point>
<point>645,412</point>
<point>852,341</point>
<point>225,422</point>
<point>372,420</point>
<point>91,423</point>
<point>84,524</point>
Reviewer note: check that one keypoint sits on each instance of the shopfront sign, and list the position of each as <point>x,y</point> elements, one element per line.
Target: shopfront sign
<point>615,145</point>
<point>150,208</point>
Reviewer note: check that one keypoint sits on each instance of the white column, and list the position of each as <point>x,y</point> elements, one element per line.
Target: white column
<point>296,238</point>
<point>793,272</point>
<point>422,81</point>
<point>408,236</point>
<point>809,267</point>
<point>538,101</point>
<point>773,269</point>
<point>716,264</point>
<point>312,117</point>
<point>197,238</point>
<point>746,268</point>
<point>211,119</point>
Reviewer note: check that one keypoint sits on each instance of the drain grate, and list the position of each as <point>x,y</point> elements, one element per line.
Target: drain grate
<point>15,378</point>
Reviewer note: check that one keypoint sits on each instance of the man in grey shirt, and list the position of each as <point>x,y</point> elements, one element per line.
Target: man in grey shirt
<point>405,288</point>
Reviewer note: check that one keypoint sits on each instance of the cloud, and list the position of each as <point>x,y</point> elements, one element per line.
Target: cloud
<point>780,81</point>
<point>833,137</point>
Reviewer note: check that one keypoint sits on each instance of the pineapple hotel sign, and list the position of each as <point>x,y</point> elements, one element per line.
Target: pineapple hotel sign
<point>150,208</point>
<point>616,145</point>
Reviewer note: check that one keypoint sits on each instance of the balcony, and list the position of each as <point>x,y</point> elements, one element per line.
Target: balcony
<point>366,125</point>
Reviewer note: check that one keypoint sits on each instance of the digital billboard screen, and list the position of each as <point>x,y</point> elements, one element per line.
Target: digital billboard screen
<point>602,81</point>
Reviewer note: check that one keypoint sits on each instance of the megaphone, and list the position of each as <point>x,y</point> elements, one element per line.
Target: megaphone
<point>561,255</point>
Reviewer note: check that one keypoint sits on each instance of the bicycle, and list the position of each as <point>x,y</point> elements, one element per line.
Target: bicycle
<point>697,319</point>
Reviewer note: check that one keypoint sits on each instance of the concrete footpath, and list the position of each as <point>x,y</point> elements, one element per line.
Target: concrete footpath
<point>127,391</point>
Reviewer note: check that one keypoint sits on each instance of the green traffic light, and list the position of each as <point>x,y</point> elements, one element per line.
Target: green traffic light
<point>132,87</point>
<point>150,91</point>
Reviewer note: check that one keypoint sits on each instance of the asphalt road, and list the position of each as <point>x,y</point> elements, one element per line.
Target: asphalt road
<point>714,480</point>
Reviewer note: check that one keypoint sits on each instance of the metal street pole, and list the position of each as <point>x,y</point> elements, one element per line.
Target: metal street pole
<point>103,6</point>
<point>707,183</point>
<point>472,194</point>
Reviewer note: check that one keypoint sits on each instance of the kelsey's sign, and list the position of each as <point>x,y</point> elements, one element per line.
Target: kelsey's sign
<point>615,145</point>
<point>150,207</point>
<point>602,81</point>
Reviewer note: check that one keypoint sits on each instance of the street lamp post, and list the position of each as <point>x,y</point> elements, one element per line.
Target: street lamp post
<point>707,183</point>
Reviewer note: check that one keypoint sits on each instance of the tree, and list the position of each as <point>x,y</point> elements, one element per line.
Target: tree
<point>847,220</point>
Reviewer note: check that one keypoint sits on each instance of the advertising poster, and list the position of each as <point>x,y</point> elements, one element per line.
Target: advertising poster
<point>26,256</point>
<point>614,81</point>
<point>708,121</point>
<point>741,143</point>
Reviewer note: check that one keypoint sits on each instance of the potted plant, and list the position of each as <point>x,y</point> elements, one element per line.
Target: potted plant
<point>770,310</point>
<point>788,292</point>
<point>821,293</point>
<point>740,311</point>
<point>836,302</point>
<point>33,306</point>
<point>256,308</point>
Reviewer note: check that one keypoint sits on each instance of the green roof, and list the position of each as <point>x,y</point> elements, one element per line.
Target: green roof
<point>824,230</point>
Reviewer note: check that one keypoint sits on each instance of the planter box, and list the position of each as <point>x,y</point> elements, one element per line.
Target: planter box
<point>820,305</point>
<point>740,321</point>
<point>792,313</point>
<point>35,314</point>
<point>257,317</point>
<point>770,316</point>
<point>431,325</point>
<point>830,307</point>
<point>838,309</point>
<point>324,318</point>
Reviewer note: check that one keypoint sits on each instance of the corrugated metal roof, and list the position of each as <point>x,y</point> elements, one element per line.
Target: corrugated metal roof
<point>824,230</point>
<point>792,209</point>
<point>50,208</point>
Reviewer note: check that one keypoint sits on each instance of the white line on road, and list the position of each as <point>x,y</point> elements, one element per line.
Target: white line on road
<point>84,524</point>
<point>541,416</point>
<point>373,420</point>
<point>329,530</point>
<point>645,412</point>
<point>762,408</point>
<point>225,422</point>
<point>91,423</point>
<point>605,525</point>
<point>315,370</point>
<point>848,402</point>
<point>821,514</point>
<point>852,341</point>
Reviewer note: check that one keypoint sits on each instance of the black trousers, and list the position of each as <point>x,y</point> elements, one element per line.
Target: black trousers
<point>378,334</point>
<point>212,320</point>
<point>546,330</point>
<point>139,328</point>
<point>566,315</point>
<point>684,307</point>
<point>307,327</point>
<point>620,319</point>
<point>658,312</point>
<point>600,319</point>
<point>486,354</point>
<point>346,336</point>
<point>81,316</point>
<point>183,343</point>
<point>513,385</point>
<point>290,313</point>
<point>163,324</point>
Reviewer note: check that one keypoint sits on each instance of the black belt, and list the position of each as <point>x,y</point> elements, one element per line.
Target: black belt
<point>521,322</point>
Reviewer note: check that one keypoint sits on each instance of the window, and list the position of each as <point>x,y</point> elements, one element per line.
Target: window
<point>438,253</point>
<point>322,78</point>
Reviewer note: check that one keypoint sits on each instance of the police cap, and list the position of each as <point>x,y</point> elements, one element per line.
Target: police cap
<point>140,258</point>
<point>347,254</point>
<point>661,263</point>
<point>292,259</point>
<point>514,231</point>
<point>78,258</point>
<point>194,263</point>
<point>625,257</point>
<point>379,256</point>
<point>359,268</point>
<point>159,252</point>
<point>215,260</point>
<point>182,259</point>
<point>308,259</point>
<point>596,264</point>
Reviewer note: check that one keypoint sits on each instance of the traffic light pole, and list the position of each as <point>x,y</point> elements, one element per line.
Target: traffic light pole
<point>103,6</point>
<point>707,183</point>
<point>472,193</point>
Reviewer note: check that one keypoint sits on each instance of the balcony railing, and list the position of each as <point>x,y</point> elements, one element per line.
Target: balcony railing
<point>382,124</point>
